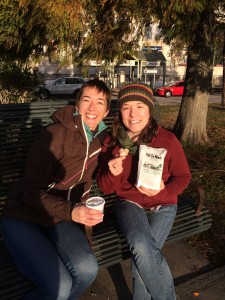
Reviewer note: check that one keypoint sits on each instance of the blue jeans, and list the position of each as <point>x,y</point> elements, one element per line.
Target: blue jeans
<point>58,259</point>
<point>146,233</point>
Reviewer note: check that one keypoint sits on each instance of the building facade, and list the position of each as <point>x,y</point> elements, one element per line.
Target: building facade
<point>154,63</point>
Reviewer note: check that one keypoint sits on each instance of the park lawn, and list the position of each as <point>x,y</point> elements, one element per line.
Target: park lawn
<point>207,164</point>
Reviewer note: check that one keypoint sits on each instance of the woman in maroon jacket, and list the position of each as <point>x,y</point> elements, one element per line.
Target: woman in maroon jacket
<point>145,215</point>
<point>44,216</point>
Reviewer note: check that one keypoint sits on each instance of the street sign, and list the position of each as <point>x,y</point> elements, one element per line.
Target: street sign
<point>128,63</point>
<point>153,63</point>
<point>150,71</point>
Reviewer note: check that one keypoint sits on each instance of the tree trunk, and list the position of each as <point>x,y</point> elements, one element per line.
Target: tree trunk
<point>223,82</point>
<point>191,122</point>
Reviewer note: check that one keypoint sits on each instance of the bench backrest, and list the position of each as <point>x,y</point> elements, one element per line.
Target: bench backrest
<point>19,124</point>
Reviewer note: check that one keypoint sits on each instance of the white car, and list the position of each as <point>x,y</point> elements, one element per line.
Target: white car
<point>61,86</point>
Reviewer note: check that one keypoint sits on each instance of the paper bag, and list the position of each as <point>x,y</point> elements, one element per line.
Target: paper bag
<point>150,166</point>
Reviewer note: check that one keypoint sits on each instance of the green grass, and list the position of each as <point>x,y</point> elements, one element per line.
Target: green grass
<point>207,164</point>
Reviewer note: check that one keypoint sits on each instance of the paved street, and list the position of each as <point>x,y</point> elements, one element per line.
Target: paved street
<point>177,100</point>
<point>162,100</point>
<point>216,98</point>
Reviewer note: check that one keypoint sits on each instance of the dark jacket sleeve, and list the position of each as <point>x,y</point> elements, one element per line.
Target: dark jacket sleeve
<point>43,159</point>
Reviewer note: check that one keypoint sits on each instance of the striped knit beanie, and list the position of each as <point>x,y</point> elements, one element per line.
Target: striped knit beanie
<point>136,92</point>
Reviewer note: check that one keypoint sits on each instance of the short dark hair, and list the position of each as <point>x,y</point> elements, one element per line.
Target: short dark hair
<point>100,86</point>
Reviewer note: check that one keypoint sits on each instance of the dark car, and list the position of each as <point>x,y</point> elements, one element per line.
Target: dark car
<point>61,86</point>
<point>171,89</point>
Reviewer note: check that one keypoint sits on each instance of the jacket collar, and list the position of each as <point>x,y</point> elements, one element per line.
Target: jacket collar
<point>90,134</point>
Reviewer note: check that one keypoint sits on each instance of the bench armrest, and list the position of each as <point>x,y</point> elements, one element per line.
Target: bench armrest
<point>201,199</point>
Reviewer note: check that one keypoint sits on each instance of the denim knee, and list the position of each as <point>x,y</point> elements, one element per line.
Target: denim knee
<point>141,244</point>
<point>89,269</point>
<point>86,273</point>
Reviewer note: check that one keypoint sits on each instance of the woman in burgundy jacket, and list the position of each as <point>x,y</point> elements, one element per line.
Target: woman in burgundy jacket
<point>145,215</point>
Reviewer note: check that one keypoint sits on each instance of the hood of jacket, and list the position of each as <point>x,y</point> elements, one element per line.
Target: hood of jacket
<point>65,116</point>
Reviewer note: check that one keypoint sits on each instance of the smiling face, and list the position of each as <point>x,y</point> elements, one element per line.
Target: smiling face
<point>92,106</point>
<point>135,116</point>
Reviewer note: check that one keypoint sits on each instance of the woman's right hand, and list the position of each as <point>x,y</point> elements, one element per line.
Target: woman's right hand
<point>116,165</point>
<point>87,216</point>
<point>150,192</point>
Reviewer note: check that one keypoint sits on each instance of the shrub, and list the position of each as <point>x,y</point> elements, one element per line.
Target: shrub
<point>14,77</point>
<point>18,84</point>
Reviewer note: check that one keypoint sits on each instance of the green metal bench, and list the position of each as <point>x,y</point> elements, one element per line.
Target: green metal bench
<point>19,123</point>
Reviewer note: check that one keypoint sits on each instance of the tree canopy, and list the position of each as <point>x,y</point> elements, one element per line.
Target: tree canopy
<point>196,23</point>
<point>28,25</point>
<point>22,28</point>
<point>107,29</point>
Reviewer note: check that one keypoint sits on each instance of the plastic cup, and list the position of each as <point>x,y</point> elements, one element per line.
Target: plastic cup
<point>96,203</point>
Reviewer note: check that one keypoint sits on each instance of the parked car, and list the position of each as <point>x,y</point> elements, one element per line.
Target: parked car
<point>171,89</point>
<point>61,86</point>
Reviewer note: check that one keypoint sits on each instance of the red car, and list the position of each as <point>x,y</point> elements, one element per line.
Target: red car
<point>172,89</point>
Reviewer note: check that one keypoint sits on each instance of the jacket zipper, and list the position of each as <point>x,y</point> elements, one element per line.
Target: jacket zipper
<point>84,164</point>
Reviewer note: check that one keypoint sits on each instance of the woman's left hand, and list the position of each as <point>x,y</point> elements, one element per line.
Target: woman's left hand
<point>149,192</point>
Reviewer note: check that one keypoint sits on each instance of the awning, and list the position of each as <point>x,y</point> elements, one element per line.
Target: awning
<point>150,55</point>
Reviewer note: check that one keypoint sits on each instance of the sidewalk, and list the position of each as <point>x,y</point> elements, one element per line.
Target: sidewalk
<point>209,286</point>
<point>191,272</point>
